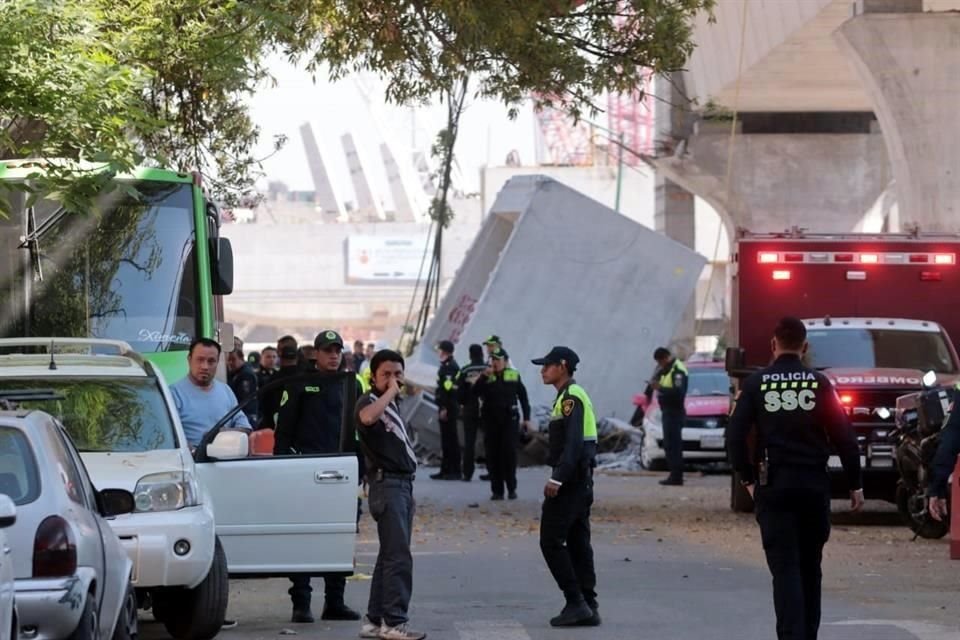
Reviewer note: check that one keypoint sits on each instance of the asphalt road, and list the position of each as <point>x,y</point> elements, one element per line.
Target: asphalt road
<point>478,574</point>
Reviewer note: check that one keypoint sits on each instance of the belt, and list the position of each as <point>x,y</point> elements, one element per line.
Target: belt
<point>380,474</point>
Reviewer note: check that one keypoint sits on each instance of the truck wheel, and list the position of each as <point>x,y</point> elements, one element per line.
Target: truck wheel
<point>198,613</point>
<point>126,628</point>
<point>89,626</point>
<point>740,500</point>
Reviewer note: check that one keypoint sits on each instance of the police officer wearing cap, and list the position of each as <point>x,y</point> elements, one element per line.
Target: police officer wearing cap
<point>795,418</point>
<point>448,406</point>
<point>565,521</point>
<point>309,422</point>
<point>500,389</point>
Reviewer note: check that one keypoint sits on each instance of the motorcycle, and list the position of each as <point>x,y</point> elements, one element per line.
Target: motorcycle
<point>920,416</point>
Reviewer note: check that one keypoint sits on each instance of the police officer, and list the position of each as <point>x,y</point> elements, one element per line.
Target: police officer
<point>671,387</point>
<point>243,381</point>
<point>449,408</point>
<point>794,416</point>
<point>309,422</point>
<point>943,463</point>
<point>499,389</point>
<point>270,400</point>
<point>470,407</point>
<point>268,366</point>
<point>565,521</point>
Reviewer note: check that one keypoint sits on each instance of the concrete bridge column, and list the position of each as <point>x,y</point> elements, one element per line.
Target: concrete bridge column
<point>909,64</point>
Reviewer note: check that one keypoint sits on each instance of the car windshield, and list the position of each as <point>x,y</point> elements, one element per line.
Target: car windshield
<point>879,349</point>
<point>126,273</point>
<point>708,382</point>
<point>19,476</point>
<point>103,414</point>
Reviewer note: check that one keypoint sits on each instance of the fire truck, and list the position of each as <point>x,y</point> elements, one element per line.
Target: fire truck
<point>880,311</point>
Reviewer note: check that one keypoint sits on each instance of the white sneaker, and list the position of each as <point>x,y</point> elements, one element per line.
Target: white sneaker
<point>400,632</point>
<point>369,630</point>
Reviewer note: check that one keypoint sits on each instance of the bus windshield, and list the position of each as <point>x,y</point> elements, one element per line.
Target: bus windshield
<point>125,274</point>
<point>879,349</point>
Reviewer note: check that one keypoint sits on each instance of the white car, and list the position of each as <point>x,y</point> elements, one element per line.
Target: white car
<point>72,576</point>
<point>8,607</point>
<point>195,523</point>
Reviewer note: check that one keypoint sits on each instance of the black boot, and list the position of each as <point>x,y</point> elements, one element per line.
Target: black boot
<point>338,610</point>
<point>595,607</point>
<point>575,614</point>
<point>302,615</point>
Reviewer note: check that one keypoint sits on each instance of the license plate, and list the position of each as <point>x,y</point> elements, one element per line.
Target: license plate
<point>711,442</point>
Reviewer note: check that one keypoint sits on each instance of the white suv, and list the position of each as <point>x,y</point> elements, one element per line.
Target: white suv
<point>275,516</point>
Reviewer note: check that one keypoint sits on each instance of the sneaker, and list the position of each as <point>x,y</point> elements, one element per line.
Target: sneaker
<point>368,629</point>
<point>400,632</point>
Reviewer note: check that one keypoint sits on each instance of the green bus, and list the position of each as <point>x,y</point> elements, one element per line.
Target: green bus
<point>149,269</point>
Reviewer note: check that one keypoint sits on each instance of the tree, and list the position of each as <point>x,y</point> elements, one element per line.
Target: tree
<point>165,81</point>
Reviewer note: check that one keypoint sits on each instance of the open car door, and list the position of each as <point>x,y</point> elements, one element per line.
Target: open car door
<point>283,515</point>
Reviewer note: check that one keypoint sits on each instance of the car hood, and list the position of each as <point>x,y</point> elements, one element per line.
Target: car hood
<point>882,378</point>
<point>123,470</point>
<point>707,405</point>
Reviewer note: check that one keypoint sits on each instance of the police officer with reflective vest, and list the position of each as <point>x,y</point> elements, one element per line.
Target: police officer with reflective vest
<point>499,390</point>
<point>671,387</point>
<point>448,406</point>
<point>794,417</point>
<point>270,400</point>
<point>309,422</point>
<point>565,521</point>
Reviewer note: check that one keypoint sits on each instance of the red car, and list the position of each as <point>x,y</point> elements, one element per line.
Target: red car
<point>708,406</point>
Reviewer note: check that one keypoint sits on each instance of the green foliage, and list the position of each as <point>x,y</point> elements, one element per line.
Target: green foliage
<point>120,82</point>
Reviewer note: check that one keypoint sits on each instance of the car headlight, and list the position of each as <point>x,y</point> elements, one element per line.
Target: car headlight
<point>167,491</point>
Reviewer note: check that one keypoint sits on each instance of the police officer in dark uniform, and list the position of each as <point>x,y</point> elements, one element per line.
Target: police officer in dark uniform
<point>943,463</point>
<point>309,422</point>
<point>243,382</point>
<point>794,417</point>
<point>267,366</point>
<point>671,387</point>
<point>499,389</point>
<point>470,407</point>
<point>449,408</point>
<point>270,400</point>
<point>565,521</point>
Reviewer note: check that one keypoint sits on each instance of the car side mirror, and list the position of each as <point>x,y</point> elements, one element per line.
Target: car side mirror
<point>229,444</point>
<point>8,511</point>
<point>115,502</point>
<point>735,359</point>
<point>221,264</point>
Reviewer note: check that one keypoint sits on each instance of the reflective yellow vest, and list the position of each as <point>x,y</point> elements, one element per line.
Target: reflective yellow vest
<point>589,419</point>
<point>666,380</point>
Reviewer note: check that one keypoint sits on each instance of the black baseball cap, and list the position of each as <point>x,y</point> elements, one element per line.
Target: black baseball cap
<point>494,339</point>
<point>559,355</point>
<point>500,354</point>
<point>446,346</point>
<point>326,338</point>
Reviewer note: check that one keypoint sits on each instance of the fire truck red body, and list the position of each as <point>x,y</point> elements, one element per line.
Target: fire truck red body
<point>880,311</point>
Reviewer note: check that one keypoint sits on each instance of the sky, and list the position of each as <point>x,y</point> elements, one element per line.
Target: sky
<point>356,105</point>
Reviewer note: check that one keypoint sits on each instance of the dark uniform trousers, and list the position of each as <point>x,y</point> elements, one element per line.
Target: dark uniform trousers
<point>471,424</point>
<point>450,443</point>
<point>673,423</point>
<point>501,433</point>
<point>794,526</point>
<point>392,506</point>
<point>565,539</point>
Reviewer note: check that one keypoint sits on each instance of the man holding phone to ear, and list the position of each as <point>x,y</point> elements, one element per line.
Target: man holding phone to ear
<point>391,465</point>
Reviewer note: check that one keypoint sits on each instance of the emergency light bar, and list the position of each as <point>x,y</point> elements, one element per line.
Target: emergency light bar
<point>846,257</point>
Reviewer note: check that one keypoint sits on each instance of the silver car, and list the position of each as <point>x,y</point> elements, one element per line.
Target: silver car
<point>72,576</point>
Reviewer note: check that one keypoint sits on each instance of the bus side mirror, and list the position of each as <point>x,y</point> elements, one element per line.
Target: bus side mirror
<point>735,359</point>
<point>221,264</point>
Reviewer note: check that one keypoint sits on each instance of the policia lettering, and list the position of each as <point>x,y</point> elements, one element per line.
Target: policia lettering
<point>789,396</point>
